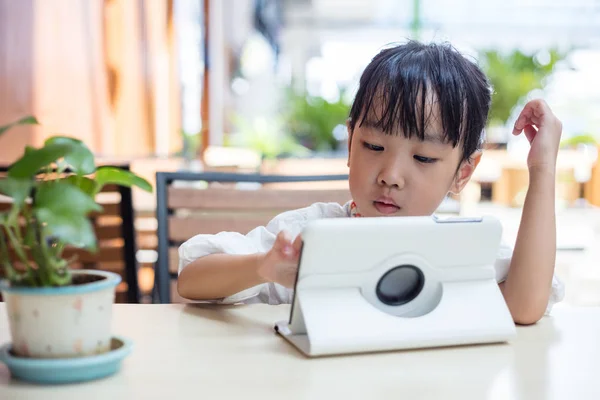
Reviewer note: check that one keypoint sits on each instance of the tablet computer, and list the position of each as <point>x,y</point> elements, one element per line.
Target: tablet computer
<point>397,265</point>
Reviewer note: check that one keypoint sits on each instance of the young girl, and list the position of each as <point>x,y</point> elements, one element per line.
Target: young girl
<point>416,129</point>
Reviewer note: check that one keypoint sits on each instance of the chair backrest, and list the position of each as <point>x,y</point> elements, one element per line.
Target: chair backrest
<point>194,203</point>
<point>114,227</point>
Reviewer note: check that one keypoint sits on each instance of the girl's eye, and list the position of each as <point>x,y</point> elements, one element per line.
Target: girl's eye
<point>425,160</point>
<point>373,147</point>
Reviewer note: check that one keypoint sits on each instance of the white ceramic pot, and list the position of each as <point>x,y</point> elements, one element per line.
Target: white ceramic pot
<point>60,322</point>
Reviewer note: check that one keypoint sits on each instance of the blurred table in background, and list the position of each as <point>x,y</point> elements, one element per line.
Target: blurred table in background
<point>509,177</point>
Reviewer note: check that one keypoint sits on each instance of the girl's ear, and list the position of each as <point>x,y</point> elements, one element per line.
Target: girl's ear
<point>464,173</point>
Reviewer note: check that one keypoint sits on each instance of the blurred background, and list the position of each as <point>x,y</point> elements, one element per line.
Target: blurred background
<point>266,86</point>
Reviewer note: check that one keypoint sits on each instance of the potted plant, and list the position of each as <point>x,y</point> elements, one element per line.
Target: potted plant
<point>54,311</point>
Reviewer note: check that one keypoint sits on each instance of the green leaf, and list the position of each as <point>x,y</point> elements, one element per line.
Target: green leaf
<point>63,208</point>
<point>29,120</point>
<point>32,161</point>
<point>64,198</point>
<point>71,229</point>
<point>16,188</point>
<point>114,175</point>
<point>81,159</point>
<point>87,185</point>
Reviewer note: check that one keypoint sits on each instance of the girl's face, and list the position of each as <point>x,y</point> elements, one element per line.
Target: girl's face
<point>391,175</point>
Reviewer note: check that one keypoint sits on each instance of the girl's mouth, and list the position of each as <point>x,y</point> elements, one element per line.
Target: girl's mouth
<point>385,208</point>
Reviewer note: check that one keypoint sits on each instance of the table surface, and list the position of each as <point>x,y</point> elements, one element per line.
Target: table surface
<point>231,352</point>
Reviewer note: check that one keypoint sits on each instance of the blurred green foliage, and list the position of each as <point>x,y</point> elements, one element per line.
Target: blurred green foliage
<point>312,119</point>
<point>267,137</point>
<point>583,138</point>
<point>513,75</point>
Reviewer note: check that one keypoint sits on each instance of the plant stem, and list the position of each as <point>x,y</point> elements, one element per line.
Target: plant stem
<point>45,269</point>
<point>31,238</point>
<point>60,247</point>
<point>29,232</point>
<point>19,250</point>
<point>17,246</point>
<point>60,275</point>
<point>14,218</point>
<point>56,271</point>
<point>11,274</point>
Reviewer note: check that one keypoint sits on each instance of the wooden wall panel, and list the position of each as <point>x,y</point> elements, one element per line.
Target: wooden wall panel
<point>103,71</point>
<point>162,81</point>
<point>127,74</point>
<point>66,45</point>
<point>16,75</point>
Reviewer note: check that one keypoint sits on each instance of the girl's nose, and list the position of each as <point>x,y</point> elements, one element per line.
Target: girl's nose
<point>391,175</point>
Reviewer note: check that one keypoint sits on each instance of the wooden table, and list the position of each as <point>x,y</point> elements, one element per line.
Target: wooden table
<point>231,352</point>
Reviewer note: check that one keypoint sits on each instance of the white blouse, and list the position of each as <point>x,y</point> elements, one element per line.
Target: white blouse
<point>261,239</point>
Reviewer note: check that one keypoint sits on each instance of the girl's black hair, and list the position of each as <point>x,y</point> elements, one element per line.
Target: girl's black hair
<point>399,81</point>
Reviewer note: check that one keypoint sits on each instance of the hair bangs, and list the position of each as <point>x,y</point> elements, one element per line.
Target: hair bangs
<point>405,88</point>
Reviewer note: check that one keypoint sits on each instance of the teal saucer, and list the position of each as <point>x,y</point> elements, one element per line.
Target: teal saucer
<point>66,370</point>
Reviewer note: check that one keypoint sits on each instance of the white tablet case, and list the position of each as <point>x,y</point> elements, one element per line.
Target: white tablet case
<point>336,309</point>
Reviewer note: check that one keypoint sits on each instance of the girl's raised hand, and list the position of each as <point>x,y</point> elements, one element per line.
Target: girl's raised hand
<point>543,130</point>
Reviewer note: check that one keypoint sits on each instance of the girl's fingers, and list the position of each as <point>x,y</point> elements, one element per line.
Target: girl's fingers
<point>521,121</point>
<point>526,118</point>
<point>281,240</point>
<point>283,244</point>
<point>532,114</point>
<point>288,251</point>
<point>297,245</point>
<point>530,132</point>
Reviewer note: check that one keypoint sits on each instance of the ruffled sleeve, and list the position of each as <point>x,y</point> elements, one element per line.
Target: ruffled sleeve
<point>259,240</point>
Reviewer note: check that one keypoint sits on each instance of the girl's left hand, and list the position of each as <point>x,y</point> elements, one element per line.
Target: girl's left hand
<point>543,130</point>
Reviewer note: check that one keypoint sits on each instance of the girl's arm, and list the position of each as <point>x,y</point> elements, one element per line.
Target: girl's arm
<point>216,276</point>
<point>529,281</point>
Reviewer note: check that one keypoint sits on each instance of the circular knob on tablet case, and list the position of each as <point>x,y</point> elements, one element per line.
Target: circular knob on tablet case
<point>400,285</point>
